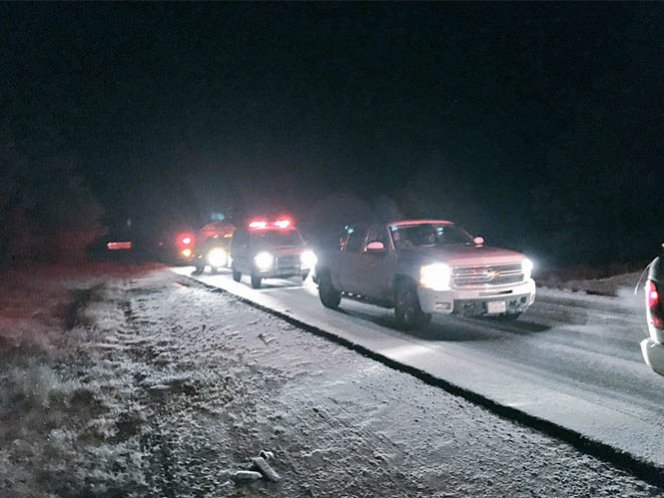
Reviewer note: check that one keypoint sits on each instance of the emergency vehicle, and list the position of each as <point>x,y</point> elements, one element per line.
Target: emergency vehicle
<point>212,248</point>
<point>270,249</point>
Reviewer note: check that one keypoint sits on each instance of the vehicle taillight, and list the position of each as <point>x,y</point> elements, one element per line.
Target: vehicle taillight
<point>652,295</point>
<point>654,304</point>
<point>186,240</point>
<point>119,246</point>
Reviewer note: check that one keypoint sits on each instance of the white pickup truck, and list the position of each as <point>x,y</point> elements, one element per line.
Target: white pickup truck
<point>420,267</point>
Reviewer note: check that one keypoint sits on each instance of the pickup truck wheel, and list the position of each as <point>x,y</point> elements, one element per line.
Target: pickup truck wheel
<point>329,296</point>
<point>237,276</point>
<point>407,308</point>
<point>198,270</point>
<point>256,281</point>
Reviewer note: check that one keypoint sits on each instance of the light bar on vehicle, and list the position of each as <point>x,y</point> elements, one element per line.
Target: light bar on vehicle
<point>283,223</point>
<point>257,224</point>
<point>261,224</point>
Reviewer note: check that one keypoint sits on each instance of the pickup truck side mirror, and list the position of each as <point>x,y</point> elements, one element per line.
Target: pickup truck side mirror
<point>375,246</point>
<point>479,241</point>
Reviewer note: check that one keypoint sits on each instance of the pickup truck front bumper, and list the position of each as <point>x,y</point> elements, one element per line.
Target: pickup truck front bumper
<point>282,273</point>
<point>480,301</point>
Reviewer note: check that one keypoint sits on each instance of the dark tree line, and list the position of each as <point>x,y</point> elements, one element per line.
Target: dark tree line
<point>47,213</point>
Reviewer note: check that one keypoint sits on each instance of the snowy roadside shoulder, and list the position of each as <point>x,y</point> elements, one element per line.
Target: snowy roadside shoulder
<point>49,405</point>
<point>620,285</point>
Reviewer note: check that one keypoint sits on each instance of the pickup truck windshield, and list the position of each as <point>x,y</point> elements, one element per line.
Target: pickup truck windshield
<point>428,234</point>
<point>278,238</point>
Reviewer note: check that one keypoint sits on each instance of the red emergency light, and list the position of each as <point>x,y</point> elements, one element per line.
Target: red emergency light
<point>258,225</point>
<point>261,224</point>
<point>283,223</point>
<point>186,240</point>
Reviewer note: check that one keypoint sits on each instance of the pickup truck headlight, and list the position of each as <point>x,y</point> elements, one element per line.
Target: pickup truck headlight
<point>308,259</point>
<point>436,276</point>
<point>264,260</point>
<point>527,267</point>
<point>217,257</point>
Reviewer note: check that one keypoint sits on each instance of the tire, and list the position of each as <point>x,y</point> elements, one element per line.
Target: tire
<point>256,281</point>
<point>329,296</point>
<point>407,308</point>
<point>198,270</point>
<point>237,276</point>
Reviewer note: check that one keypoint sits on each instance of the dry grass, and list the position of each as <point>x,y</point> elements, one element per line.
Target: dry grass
<point>54,415</point>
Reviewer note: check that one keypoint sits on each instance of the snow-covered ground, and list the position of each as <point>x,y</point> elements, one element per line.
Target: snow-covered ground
<point>618,285</point>
<point>136,383</point>
<point>572,360</point>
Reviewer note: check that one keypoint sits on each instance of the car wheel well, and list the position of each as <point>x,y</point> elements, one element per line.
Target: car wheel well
<point>403,279</point>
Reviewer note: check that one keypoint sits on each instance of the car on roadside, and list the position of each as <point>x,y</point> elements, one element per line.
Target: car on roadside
<point>212,247</point>
<point>425,267</point>
<point>270,249</point>
<point>652,348</point>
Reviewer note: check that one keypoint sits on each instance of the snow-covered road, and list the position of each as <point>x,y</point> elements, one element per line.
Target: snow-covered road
<point>572,360</point>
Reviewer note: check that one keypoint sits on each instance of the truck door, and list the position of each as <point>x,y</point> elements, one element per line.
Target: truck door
<point>350,261</point>
<point>376,269</point>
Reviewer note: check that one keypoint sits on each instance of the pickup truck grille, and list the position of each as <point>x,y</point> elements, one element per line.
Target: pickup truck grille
<point>471,276</point>
<point>288,262</point>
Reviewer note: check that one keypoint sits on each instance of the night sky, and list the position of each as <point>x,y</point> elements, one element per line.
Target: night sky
<point>536,125</point>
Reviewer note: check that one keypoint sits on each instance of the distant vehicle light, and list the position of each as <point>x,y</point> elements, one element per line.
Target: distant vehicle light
<point>284,223</point>
<point>185,240</point>
<point>217,257</point>
<point>258,224</point>
<point>308,259</point>
<point>264,260</point>
<point>186,252</point>
<point>118,246</point>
